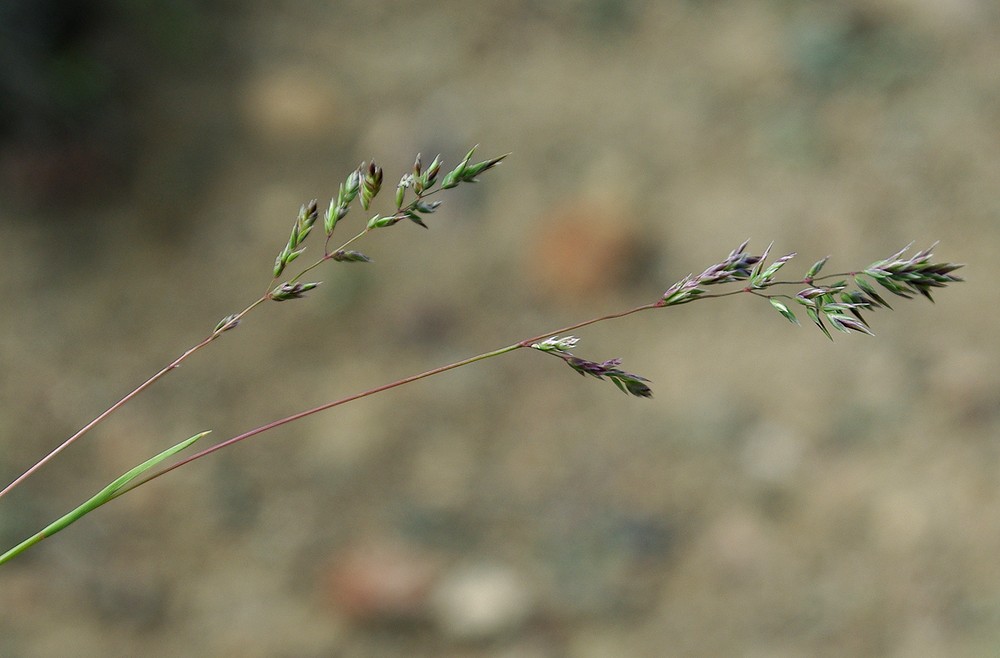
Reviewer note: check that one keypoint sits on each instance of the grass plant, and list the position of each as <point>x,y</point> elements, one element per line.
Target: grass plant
<point>838,301</point>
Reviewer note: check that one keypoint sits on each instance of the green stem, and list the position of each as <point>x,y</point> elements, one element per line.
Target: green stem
<point>326,256</point>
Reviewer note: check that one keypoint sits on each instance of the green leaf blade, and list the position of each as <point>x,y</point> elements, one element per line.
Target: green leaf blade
<point>103,496</point>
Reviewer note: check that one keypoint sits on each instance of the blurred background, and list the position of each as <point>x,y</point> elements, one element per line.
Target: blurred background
<point>781,495</point>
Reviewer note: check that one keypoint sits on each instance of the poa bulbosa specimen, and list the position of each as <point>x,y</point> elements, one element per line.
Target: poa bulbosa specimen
<point>838,301</point>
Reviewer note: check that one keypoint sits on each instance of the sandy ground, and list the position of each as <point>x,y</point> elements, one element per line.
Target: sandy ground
<point>781,495</point>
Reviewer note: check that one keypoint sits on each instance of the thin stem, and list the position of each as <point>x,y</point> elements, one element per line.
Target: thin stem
<point>323,407</point>
<point>113,408</point>
<point>385,387</point>
<point>573,327</point>
<point>327,254</point>
<point>729,293</point>
<point>807,282</point>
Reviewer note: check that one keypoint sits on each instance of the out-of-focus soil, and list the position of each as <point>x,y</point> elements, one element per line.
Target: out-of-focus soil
<point>781,494</point>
